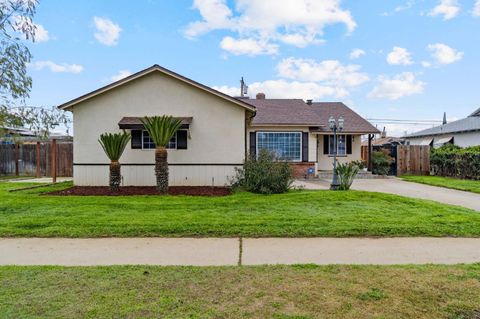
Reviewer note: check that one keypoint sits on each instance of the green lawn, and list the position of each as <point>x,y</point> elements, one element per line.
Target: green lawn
<point>278,292</point>
<point>298,213</point>
<point>448,182</point>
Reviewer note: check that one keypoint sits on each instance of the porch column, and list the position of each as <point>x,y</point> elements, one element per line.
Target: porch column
<point>370,164</point>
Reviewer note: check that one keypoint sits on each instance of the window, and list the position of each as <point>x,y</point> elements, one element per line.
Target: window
<point>147,142</point>
<point>341,145</point>
<point>287,146</point>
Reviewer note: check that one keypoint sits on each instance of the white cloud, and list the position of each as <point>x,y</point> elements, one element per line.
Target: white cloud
<point>476,9</point>
<point>41,34</point>
<point>426,64</point>
<point>108,32</point>
<point>250,47</point>
<point>449,9</point>
<point>401,85</point>
<point>443,54</point>
<point>357,53</point>
<point>408,5</point>
<point>282,89</point>
<point>57,68</point>
<point>120,75</point>
<point>399,56</point>
<point>330,72</point>
<point>294,22</point>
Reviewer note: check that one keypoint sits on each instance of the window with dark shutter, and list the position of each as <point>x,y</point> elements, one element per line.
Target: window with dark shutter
<point>182,137</point>
<point>253,144</point>
<point>304,147</point>
<point>325,144</point>
<point>136,140</point>
<point>349,144</point>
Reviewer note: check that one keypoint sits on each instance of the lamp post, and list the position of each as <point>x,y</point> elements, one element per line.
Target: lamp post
<point>335,126</point>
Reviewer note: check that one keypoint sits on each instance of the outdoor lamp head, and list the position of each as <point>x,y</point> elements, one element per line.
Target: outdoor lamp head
<point>331,122</point>
<point>340,123</point>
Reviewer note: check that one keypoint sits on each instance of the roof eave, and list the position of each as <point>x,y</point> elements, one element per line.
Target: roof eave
<point>68,105</point>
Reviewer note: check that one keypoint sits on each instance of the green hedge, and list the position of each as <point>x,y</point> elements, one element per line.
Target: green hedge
<point>453,161</point>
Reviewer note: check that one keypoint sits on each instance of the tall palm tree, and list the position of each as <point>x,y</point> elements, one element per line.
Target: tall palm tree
<point>161,129</point>
<point>114,144</point>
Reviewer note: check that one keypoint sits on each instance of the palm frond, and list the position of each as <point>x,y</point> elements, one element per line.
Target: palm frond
<point>161,128</point>
<point>114,144</point>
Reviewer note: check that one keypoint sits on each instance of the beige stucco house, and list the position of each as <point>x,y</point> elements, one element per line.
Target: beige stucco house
<point>217,134</point>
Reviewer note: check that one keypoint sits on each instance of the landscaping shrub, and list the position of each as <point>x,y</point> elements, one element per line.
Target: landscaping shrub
<point>381,162</point>
<point>360,163</point>
<point>346,173</point>
<point>264,175</point>
<point>453,161</point>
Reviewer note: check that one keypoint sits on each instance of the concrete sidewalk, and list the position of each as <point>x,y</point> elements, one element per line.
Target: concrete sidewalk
<point>229,251</point>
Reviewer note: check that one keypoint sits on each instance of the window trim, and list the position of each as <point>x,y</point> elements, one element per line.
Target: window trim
<point>289,132</point>
<point>148,149</point>
<point>338,155</point>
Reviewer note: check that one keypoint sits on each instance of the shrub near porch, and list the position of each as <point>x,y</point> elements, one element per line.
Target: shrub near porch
<point>293,214</point>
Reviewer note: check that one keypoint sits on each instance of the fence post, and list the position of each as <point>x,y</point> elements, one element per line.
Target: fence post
<point>17,158</point>
<point>54,160</point>
<point>37,159</point>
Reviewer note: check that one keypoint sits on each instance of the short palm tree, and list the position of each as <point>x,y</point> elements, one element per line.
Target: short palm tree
<point>114,144</point>
<point>161,129</point>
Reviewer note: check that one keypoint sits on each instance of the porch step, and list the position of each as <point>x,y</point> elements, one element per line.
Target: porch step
<point>361,175</point>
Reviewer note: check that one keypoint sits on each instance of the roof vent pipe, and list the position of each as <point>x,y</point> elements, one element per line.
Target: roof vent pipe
<point>309,102</point>
<point>260,96</point>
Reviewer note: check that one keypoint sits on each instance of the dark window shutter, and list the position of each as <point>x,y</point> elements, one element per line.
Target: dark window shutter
<point>305,147</point>
<point>349,144</point>
<point>325,144</point>
<point>136,141</point>
<point>182,137</point>
<point>253,144</point>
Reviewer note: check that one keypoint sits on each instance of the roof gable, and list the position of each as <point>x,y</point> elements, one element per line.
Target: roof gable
<point>154,68</point>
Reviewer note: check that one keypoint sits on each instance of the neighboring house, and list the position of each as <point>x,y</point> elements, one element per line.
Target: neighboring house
<point>12,135</point>
<point>217,134</point>
<point>464,133</point>
<point>384,141</point>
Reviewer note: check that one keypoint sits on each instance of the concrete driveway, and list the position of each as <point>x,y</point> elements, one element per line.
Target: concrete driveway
<point>416,190</point>
<point>393,185</point>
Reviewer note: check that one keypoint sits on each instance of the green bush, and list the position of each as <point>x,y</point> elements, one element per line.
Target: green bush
<point>381,162</point>
<point>346,174</point>
<point>453,161</point>
<point>360,163</point>
<point>264,175</point>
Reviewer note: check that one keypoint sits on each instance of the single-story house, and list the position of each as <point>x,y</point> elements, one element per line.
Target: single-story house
<point>464,133</point>
<point>218,131</point>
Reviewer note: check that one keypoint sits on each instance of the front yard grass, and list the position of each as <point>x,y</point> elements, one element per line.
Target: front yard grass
<point>27,213</point>
<point>447,182</point>
<point>279,292</point>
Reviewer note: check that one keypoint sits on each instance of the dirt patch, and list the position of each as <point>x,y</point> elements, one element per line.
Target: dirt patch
<point>142,190</point>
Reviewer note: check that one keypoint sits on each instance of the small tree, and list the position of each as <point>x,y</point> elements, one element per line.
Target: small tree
<point>161,130</point>
<point>114,144</point>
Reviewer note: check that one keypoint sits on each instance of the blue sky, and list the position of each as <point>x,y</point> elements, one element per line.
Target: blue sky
<point>397,59</point>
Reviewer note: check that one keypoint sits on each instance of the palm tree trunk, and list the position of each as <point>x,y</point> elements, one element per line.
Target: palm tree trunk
<point>161,169</point>
<point>115,176</point>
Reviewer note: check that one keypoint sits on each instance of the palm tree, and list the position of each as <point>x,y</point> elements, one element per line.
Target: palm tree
<point>114,144</point>
<point>161,129</point>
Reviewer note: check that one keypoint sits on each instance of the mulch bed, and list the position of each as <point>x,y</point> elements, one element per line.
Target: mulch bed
<point>142,190</point>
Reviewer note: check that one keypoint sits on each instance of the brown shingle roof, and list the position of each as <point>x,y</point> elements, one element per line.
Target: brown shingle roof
<point>283,112</point>
<point>354,123</point>
<point>297,112</point>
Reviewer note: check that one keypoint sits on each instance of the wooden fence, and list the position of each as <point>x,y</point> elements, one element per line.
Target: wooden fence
<point>413,159</point>
<point>410,159</point>
<point>22,159</point>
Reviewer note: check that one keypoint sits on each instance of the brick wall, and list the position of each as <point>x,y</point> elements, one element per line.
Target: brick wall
<point>300,169</point>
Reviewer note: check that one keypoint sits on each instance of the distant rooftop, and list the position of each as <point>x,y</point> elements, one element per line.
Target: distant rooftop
<point>470,123</point>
